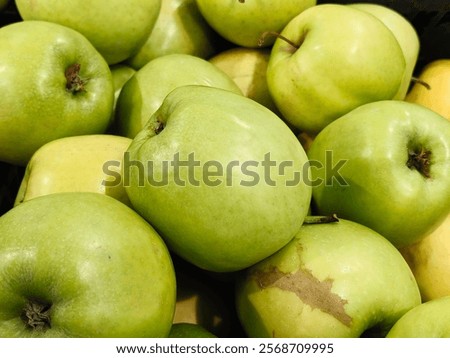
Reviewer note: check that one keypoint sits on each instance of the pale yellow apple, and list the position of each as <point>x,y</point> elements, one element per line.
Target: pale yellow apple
<point>429,260</point>
<point>437,97</point>
<point>76,164</point>
<point>247,67</point>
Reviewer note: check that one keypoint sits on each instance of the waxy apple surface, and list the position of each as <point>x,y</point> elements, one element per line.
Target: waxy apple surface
<point>243,22</point>
<point>116,28</point>
<point>83,265</point>
<point>221,207</point>
<point>394,169</point>
<point>53,84</point>
<point>340,58</point>
<point>144,92</point>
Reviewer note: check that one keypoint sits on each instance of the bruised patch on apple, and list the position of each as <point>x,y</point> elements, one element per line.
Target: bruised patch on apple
<point>313,292</point>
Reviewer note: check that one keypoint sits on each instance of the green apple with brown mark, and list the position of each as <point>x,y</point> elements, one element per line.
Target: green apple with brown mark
<point>333,280</point>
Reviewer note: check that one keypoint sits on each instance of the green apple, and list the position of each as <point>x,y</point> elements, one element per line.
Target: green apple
<point>54,84</point>
<point>83,265</point>
<point>247,67</point>
<point>429,320</point>
<point>333,280</point>
<point>219,176</point>
<point>79,163</point>
<point>244,22</point>
<point>189,330</point>
<point>331,59</point>
<point>143,93</point>
<point>180,28</point>
<point>116,28</point>
<point>385,165</point>
<point>406,35</point>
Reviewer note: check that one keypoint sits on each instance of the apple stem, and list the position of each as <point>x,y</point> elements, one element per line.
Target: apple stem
<point>320,219</point>
<point>419,160</point>
<point>74,83</point>
<point>36,315</point>
<point>421,82</point>
<point>262,39</point>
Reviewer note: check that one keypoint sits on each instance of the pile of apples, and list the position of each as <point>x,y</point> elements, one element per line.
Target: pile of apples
<point>210,168</point>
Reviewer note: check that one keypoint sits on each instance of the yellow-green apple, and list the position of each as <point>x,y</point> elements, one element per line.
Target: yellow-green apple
<point>406,35</point>
<point>144,92</point>
<point>329,60</point>
<point>89,163</point>
<point>429,260</point>
<point>189,330</point>
<point>54,84</point>
<point>116,28</point>
<point>179,28</point>
<point>428,320</point>
<point>382,162</point>
<point>247,67</point>
<point>433,88</point>
<point>333,280</point>
<point>244,22</point>
<point>83,265</point>
<point>221,177</point>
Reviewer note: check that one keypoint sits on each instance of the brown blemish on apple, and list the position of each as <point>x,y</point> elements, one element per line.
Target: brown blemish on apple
<point>74,83</point>
<point>313,292</point>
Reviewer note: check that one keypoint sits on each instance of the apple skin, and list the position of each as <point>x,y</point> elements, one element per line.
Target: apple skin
<point>38,108</point>
<point>345,58</point>
<point>405,34</point>
<point>244,22</point>
<point>247,67</point>
<point>230,221</point>
<point>333,280</point>
<point>180,28</point>
<point>428,320</point>
<point>116,28</point>
<point>381,190</point>
<point>102,268</point>
<point>143,93</point>
<point>75,164</point>
<point>429,262</point>
<point>437,75</point>
<point>189,330</point>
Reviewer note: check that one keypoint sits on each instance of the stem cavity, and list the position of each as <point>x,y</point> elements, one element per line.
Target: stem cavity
<point>36,315</point>
<point>74,83</point>
<point>419,159</point>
